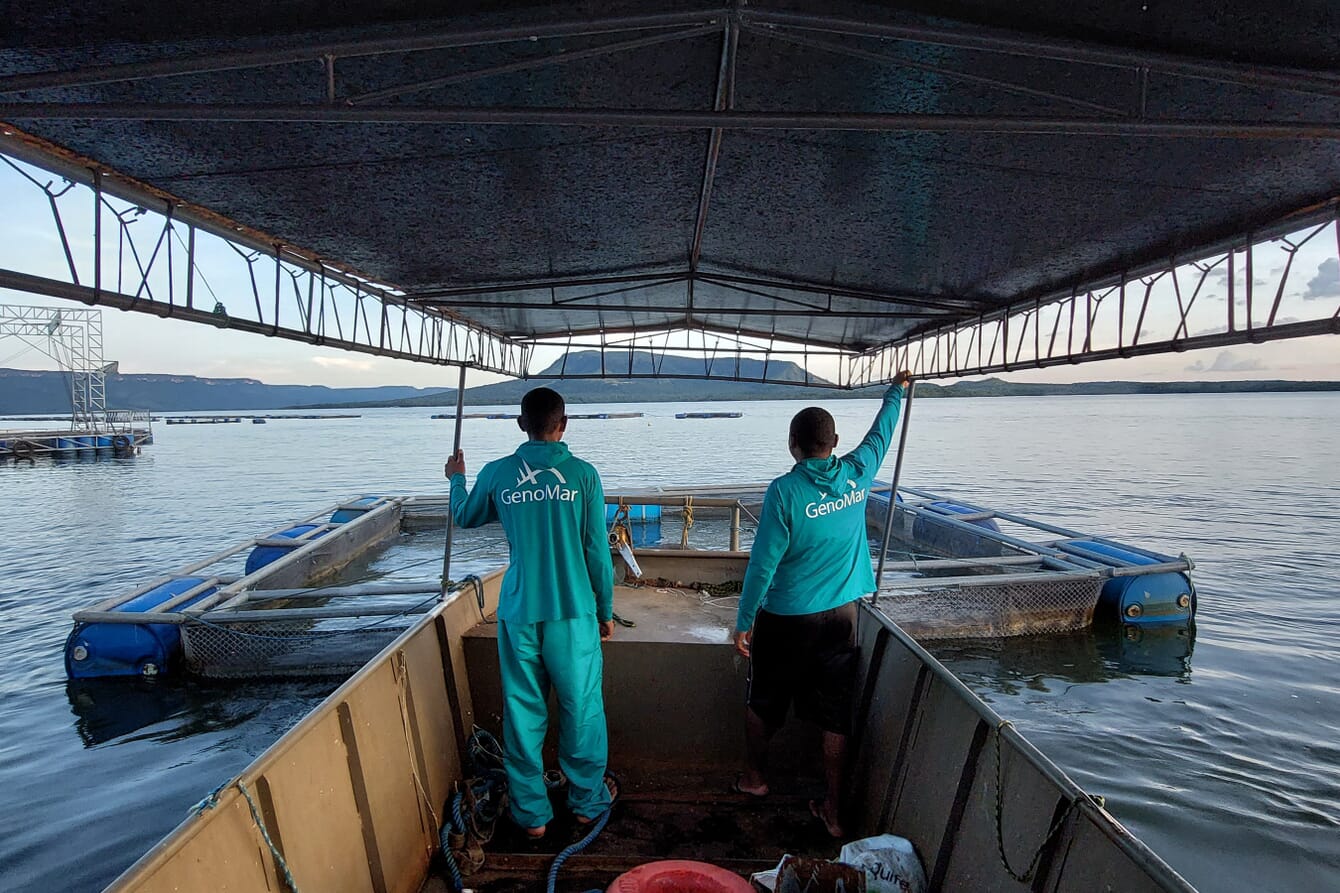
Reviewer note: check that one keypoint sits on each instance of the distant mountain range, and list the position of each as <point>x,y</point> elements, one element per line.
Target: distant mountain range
<point>28,392</point>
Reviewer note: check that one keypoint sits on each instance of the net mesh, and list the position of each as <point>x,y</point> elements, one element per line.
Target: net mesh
<point>248,649</point>
<point>988,610</point>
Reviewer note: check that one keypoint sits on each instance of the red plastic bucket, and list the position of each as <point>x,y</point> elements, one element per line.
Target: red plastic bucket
<point>679,876</point>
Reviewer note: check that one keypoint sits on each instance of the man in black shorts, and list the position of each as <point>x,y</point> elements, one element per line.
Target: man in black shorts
<point>797,617</point>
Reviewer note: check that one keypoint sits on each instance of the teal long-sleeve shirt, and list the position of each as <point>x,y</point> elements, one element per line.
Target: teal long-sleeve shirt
<point>810,552</point>
<point>552,508</point>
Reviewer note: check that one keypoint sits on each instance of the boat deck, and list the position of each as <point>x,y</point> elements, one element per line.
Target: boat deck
<point>688,818</point>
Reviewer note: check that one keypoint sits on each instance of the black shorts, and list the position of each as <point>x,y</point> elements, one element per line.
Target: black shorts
<point>810,658</point>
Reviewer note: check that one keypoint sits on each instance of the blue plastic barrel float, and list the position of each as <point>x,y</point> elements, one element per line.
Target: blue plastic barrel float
<point>948,539</point>
<point>930,534</point>
<point>262,555</point>
<point>131,649</point>
<point>1168,597</point>
<point>354,509</point>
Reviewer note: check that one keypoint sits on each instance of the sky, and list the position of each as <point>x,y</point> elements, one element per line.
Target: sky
<point>141,343</point>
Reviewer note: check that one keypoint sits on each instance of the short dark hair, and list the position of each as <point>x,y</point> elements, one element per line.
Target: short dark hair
<point>542,411</point>
<point>814,430</point>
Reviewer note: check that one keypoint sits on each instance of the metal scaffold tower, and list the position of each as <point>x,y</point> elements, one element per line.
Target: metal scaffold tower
<point>73,338</point>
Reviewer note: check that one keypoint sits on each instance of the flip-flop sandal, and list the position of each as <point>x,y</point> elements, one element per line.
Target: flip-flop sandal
<point>737,789</point>
<point>535,833</point>
<point>611,785</point>
<point>818,814</point>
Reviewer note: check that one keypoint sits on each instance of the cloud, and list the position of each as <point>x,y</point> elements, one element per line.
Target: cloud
<point>1227,361</point>
<point>343,363</point>
<point>1326,284</point>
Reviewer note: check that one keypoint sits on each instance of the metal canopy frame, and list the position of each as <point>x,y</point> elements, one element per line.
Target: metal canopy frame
<point>700,304</point>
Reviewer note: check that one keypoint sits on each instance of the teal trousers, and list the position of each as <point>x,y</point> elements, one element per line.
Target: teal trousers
<point>566,655</point>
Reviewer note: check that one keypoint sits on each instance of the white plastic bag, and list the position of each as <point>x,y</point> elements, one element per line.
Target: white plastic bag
<point>889,862</point>
<point>768,879</point>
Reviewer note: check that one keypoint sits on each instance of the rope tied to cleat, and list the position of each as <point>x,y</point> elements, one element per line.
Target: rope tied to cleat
<point>688,523</point>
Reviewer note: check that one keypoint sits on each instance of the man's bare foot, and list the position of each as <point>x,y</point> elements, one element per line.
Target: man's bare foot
<point>537,832</point>
<point>613,787</point>
<point>750,784</point>
<point>828,816</point>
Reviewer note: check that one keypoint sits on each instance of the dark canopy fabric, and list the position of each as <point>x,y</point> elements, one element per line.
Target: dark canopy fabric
<point>851,234</point>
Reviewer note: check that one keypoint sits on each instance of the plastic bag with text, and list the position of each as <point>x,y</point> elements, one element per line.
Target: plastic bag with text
<point>890,864</point>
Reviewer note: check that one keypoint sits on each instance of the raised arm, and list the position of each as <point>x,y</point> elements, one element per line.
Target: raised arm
<point>475,508</point>
<point>769,546</point>
<point>869,453</point>
<point>596,546</point>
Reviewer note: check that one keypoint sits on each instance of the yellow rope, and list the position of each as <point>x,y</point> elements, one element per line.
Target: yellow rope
<point>401,672</point>
<point>688,522</point>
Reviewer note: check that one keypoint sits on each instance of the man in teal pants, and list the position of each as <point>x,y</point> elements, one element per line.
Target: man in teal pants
<point>797,618</point>
<point>555,608</point>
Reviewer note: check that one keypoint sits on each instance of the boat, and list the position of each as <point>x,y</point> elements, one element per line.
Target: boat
<point>355,796</point>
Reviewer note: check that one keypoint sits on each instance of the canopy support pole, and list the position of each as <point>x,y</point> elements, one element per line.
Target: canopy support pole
<point>455,448</point>
<point>893,491</point>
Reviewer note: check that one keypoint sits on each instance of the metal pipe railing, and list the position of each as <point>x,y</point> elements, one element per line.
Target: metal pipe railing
<point>893,484</point>
<point>455,448</point>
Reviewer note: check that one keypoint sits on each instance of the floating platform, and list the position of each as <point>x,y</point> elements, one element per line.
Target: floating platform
<point>20,445</point>
<point>257,623</point>
<point>994,573</point>
<point>996,578</point>
<point>708,415</point>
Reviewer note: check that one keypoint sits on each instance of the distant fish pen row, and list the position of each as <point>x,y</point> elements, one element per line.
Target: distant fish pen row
<point>722,414</point>
<point>237,419</point>
<point>20,445</point>
<point>512,415</point>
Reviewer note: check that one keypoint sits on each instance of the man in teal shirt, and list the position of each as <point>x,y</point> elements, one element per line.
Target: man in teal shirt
<point>797,618</point>
<point>555,608</point>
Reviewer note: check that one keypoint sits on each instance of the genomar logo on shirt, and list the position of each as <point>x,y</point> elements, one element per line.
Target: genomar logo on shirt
<point>822,507</point>
<point>534,491</point>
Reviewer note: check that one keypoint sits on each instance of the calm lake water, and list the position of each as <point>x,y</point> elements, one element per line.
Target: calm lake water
<point>1224,758</point>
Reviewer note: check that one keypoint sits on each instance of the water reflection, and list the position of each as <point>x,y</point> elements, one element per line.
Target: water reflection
<point>111,711</point>
<point>1150,650</point>
<point>1099,654</point>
